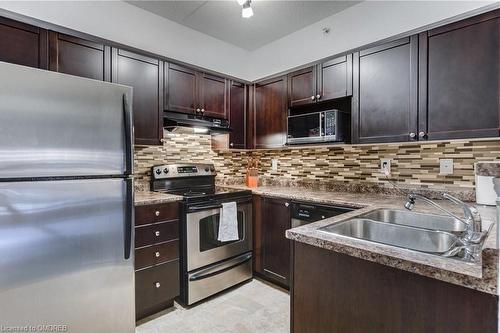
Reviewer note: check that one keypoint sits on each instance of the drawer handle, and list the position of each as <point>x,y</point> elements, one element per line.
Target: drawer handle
<point>157,285</point>
<point>157,233</point>
<point>157,254</point>
<point>157,213</point>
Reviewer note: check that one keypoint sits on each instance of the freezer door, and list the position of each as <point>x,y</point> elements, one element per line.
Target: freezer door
<point>63,246</point>
<point>55,124</point>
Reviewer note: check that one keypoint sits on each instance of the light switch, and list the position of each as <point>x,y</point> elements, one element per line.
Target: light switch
<point>274,164</point>
<point>446,166</point>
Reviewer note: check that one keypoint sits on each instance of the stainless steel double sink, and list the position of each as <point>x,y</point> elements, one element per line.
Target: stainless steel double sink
<point>429,233</point>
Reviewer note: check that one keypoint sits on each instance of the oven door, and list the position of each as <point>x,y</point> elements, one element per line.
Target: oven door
<point>202,228</point>
<point>305,128</point>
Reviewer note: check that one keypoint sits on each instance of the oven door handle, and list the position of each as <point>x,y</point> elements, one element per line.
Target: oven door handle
<point>221,267</point>
<point>192,209</point>
<point>196,208</point>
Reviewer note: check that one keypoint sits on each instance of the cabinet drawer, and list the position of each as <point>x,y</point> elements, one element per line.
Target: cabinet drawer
<point>155,288</point>
<point>156,233</point>
<point>156,213</point>
<point>156,254</point>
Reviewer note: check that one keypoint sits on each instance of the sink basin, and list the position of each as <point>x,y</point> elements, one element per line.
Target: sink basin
<point>420,220</point>
<point>423,240</point>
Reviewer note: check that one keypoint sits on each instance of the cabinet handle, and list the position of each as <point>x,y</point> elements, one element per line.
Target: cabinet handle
<point>287,204</point>
<point>422,135</point>
<point>157,285</point>
<point>231,144</point>
<point>157,213</point>
<point>312,98</point>
<point>157,254</point>
<point>412,135</point>
<point>318,96</point>
<point>157,233</point>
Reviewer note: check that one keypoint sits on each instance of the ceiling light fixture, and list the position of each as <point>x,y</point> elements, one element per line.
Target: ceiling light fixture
<point>247,10</point>
<point>241,2</point>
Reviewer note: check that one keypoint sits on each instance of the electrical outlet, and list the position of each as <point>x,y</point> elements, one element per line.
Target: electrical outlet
<point>446,166</point>
<point>274,164</point>
<point>385,166</point>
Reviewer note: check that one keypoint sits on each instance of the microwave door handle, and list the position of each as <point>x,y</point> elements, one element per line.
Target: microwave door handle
<point>322,125</point>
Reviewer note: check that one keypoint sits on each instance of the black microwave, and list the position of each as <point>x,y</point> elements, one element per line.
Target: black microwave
<point>319,126</point>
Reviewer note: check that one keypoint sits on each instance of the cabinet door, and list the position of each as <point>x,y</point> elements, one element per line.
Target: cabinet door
<point>276,247</point>
<point>144,75</point>
<point>23,44</point>
<point>270,113</point>
<point>335,78</point>
<point>385,101</point>
<point>213,95</point>
<point>237,115</point>
<point>302,87</point>
<point>181,94</point>
<point>459,85</point>
<point>75,56</point>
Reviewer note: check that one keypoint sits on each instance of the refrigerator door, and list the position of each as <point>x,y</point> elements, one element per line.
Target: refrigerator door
<point>63,246</point>
<point>60,125</point>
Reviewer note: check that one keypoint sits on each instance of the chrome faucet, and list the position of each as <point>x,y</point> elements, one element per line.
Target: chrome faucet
<point>471,219</point>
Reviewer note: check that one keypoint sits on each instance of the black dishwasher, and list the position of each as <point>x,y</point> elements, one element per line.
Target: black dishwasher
<point>304,213</point>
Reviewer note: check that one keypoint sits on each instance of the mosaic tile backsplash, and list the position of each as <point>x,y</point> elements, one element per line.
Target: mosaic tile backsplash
<point>355,167</point>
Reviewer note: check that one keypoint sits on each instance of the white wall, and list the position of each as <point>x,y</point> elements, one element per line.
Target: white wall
<point>123,23</point>
<point>356,26</point>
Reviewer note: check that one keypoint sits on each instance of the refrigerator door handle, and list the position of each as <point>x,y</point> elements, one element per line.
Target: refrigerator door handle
<point>128,223</point>
<point>129,135</point>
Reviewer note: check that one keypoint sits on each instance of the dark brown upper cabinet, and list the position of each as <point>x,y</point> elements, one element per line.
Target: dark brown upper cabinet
<point>144,75</point>
<point>329,80</point>
<point>181,91</point>
<point>270,110</point>
<point>237,100</point>
<point>335,78</point>
<point>302,87</point>
<point>213,95</point>
<point>275,246</point>
<point>75,56</point>
<point>23,44</point>
<point>384,106</point>
<point>190,91</point>
<point>459,79</point>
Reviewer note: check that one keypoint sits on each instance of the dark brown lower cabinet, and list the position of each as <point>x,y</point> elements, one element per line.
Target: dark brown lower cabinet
<point>336,293</point>
<point>155,288</point>
<point>156,258</point>
<point>271,247</point>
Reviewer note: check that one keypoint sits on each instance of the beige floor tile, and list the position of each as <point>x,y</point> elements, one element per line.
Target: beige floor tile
<point>255,307</point>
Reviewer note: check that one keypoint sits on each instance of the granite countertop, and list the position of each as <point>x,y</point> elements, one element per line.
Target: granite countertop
<point>149,198</point>
<point>481,275</point>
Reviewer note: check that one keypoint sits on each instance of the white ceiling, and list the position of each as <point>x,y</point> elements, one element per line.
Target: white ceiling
<point>222,19</point>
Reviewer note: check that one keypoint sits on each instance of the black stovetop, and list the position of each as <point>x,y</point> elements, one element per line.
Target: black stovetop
<point>209,195</point>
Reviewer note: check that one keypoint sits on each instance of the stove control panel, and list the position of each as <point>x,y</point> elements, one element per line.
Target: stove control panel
<point>182,170</point>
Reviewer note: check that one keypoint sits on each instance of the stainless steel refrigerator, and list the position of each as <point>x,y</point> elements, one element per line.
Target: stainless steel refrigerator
<point>66,203</point>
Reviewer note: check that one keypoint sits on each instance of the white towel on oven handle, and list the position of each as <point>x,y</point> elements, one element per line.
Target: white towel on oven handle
<point>228,223</point>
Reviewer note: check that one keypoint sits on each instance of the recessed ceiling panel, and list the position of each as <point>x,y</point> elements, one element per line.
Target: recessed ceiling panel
<point>222,19</point>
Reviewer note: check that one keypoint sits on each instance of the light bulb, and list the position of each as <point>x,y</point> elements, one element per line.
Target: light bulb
<point>241,2</point>
<point>247,11</point>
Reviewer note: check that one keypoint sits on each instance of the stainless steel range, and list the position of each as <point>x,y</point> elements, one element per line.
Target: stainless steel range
<point>208,265</point>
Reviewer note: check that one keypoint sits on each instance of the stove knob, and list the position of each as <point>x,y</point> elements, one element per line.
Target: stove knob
<point>206,169</point>
<point>165,170</point>
<point>158,171</point>
<point>212,169</point>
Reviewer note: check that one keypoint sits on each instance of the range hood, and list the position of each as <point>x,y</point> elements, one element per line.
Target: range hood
<point>190,123</point>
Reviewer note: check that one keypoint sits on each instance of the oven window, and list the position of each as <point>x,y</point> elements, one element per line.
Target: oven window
<point>209,229</point>
<point>304,126</point>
